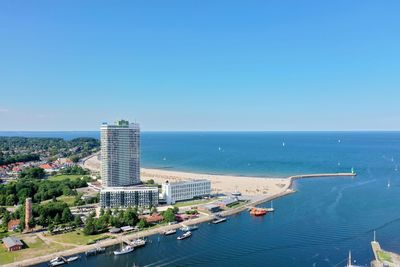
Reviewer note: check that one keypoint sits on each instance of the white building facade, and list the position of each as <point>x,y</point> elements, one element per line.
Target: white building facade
<point>120,154</point>
<point>185,190</point>
<point>124,197</point>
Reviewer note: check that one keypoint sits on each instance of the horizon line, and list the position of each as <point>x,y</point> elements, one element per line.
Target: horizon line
<point>205,131</point>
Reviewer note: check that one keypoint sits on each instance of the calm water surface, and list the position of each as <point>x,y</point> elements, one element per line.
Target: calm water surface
<point>314,227</point>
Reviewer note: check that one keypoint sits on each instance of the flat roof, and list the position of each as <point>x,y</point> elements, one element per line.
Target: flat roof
<point>129,188</point>
<point>188,181</point>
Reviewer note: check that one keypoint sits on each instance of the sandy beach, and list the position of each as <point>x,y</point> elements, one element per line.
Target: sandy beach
<point>224,184</point>
<point>258,189</point>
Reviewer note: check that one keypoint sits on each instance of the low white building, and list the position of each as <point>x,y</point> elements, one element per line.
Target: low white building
<point>185,190</point>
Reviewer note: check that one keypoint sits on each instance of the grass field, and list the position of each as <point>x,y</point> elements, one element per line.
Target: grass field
<point>384,256</point>
<point>61,177</point>
<point>193,202</point>
<point>35,247</point>
<point>76,237</point>
<point>67,199</point>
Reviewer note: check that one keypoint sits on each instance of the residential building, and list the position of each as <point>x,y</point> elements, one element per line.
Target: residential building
<point>185,190</point>
<point>120,154</point>
<point>124,197</point>
<point>13,225</point>
<point>12,243</point>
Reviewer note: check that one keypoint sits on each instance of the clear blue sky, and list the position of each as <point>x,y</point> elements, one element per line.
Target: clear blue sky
<point>200,65</point>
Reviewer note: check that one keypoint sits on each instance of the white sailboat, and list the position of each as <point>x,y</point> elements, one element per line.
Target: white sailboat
<point>271,209</point>
<point>349,260</point>
<point>388,184</point>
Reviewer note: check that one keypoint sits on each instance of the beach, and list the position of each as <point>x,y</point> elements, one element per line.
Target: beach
<point>220,184</point>
<point>258,189</point>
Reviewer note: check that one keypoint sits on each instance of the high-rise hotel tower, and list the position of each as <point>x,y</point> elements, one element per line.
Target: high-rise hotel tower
<point>120,154</point>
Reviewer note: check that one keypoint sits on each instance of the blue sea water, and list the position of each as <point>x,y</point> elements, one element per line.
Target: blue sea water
<point>316,226</point>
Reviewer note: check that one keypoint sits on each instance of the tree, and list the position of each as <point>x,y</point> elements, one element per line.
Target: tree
<point>22,223</point>
<point>130,217</point>
<point>42,220</point>
<point>175,210</point>
<point>57,219</point>
<point>6,218</point>
<point>77,221</point>
<point>142,223</point>
<point>101,224</point>
<point>90,227</point>
<point>66,215</point>
<point>32,172</point>
<point>51,227</point>
<point>11,200</point>
<point>169,215</point>
<point>32,223</point>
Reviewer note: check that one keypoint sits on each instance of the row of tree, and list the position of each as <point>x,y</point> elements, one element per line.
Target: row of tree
<point>48,214</point>
<point>4,160</point>
<point>78,170</point>
<point>119,218</point>
<point>39,190</point>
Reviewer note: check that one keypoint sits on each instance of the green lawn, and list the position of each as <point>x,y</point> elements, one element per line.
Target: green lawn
<point>384,256</point>
<point>193,202</point>
<point>60,177</point>
<point>67,199</point>
<point>35,247</point>
<point>76,237</point>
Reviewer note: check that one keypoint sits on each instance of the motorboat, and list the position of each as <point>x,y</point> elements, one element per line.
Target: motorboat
<point>185,235</point>
<point>124,250</point>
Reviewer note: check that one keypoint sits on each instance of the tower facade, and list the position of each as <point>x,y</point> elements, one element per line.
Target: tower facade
<point>120,154</point>
<point>28,212</point>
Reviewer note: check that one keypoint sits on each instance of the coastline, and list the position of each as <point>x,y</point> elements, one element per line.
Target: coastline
<point>257,200</point>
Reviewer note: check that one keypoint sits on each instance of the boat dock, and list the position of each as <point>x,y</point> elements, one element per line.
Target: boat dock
<point>153,231</point>
<point>382,257</point>
<point>320,175</point>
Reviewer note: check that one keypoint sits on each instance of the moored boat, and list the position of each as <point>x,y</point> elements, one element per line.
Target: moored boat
<point>185,235</point>
<point>258,211</point>
<point>57,261</point>
<point>170,232</point>
<point>124,250</point>
<point>71,259</point>
<point>138,243</point>
<point>189,228</point>
<point>218,220</point>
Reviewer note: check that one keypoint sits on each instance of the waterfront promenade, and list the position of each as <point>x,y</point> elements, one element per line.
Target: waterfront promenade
<point>256,200</point>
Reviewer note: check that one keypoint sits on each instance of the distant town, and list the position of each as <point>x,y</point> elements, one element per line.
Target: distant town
<point>48,196</point>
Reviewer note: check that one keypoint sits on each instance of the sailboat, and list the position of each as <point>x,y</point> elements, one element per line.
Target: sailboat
<point>349,260</point>
<point>388,184</point>
<point>271,209</point>
<point>123,250</point>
